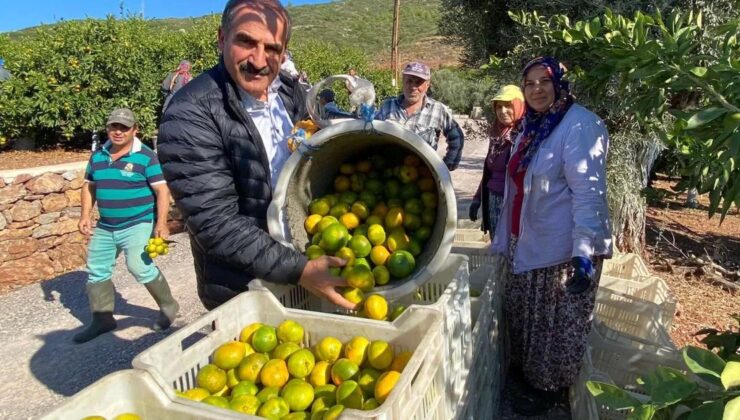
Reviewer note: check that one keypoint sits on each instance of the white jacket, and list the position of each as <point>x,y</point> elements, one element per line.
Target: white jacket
<point>564,212</point>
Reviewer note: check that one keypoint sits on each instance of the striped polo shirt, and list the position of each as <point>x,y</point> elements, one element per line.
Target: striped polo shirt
<point>123,187</point>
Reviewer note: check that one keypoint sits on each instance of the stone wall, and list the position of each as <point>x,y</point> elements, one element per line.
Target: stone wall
<point>39,238</point>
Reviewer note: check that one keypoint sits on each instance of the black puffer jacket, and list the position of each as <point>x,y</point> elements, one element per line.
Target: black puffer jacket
<point>216,167</point>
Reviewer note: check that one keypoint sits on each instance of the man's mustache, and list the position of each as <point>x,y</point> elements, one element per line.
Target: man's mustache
<point>250,68</point>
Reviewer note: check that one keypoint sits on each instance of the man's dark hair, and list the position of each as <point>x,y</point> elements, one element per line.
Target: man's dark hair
<point>327,95</point>
<point>232,6</point>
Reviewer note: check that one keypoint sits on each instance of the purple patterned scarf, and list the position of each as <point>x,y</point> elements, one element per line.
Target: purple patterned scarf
<point>539,125</point>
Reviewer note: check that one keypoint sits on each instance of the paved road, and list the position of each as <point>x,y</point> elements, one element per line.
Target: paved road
<point>41,364</point>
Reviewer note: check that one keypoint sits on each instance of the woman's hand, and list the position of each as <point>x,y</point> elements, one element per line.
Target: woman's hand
<point>583,271</point>
<point>473,210</point>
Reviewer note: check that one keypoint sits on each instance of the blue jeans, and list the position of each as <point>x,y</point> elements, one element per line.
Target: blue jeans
<point>106,245</point>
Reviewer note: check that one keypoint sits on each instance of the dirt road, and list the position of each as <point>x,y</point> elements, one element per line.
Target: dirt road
<point>42,366</point>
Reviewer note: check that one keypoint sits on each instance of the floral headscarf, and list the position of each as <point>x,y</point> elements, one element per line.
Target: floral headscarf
<point>539,125</point>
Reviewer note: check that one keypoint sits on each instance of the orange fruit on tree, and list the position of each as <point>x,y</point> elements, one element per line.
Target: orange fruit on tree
<point>349,394</point>
<point>343,370</point>
<point>380,354</point>
<point>264,340</point>
<point>376,307</point>
<point>229,355</point>
<point>211,378</point>
<point>379,255</point>
<point>290,331</point>
<point>301,363</point>
<point>385,385</point>
<point>274,373</point>
<point>274,409</point>
<point>356,350</point>
<point>320,374</point>
<point>329,349</point>
<point>401,360</point>
<point>249,369</point>
<point>299,395</point>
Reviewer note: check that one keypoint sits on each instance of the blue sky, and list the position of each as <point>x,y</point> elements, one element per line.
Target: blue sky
<point>19,14</point>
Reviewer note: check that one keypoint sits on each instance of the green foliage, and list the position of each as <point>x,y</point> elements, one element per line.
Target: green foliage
<point>672,393</point>
<point>675,77</point>
<point>462,90</point>
<point>727,343</point>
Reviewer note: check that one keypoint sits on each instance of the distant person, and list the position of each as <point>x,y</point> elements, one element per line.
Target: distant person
<point>175,80</point>
<point>329,109</point>
<point>349,84</point>
<point>508,110</point>
<point>4,73</point>
<point>425,116</point>
<point>125,178</point>
<point>222,142</point>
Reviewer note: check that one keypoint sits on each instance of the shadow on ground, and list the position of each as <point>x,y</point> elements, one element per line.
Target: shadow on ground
<point>66,367</point>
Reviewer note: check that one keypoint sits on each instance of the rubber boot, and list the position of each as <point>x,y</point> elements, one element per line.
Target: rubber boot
<point>168,307</point>
<point>102,297</point>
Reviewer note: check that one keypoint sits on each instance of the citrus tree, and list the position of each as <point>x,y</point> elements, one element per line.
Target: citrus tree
<point>672,76</point>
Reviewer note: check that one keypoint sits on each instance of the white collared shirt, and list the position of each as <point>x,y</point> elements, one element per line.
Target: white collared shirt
<point>274,125</point>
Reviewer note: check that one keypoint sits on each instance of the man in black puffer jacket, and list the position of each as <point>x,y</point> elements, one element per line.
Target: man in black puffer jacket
<point>222,142</point>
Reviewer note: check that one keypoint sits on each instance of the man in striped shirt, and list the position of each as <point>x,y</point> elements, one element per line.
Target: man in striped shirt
<point>125,179</point>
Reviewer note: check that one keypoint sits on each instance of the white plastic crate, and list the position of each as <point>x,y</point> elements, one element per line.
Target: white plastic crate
<point>477,253</point>
<point>482,393</point>
<point>625,266</point>
<point>649,288</point>
<point>619,315</point>
<point>175,361</point>
<point>471,235</point>
<point>447,292</point>
<point>618,365</point>
<point>126,391</point>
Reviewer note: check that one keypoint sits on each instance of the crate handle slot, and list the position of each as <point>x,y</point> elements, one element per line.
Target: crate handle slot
<point>198,335</point>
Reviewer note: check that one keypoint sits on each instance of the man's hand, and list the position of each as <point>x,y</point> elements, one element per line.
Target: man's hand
<point>85,226</point>
<point>317,280</point>
<point>161,230</point>
<point>473,210</point>
<point>583,271</point>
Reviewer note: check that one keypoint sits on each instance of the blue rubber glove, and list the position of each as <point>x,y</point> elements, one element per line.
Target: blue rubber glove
<point>583,271</point>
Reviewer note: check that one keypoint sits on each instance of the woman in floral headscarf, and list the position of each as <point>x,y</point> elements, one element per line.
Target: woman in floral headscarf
<point>174,81</point>
<point>508,108</point>
<point>555,229</point>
